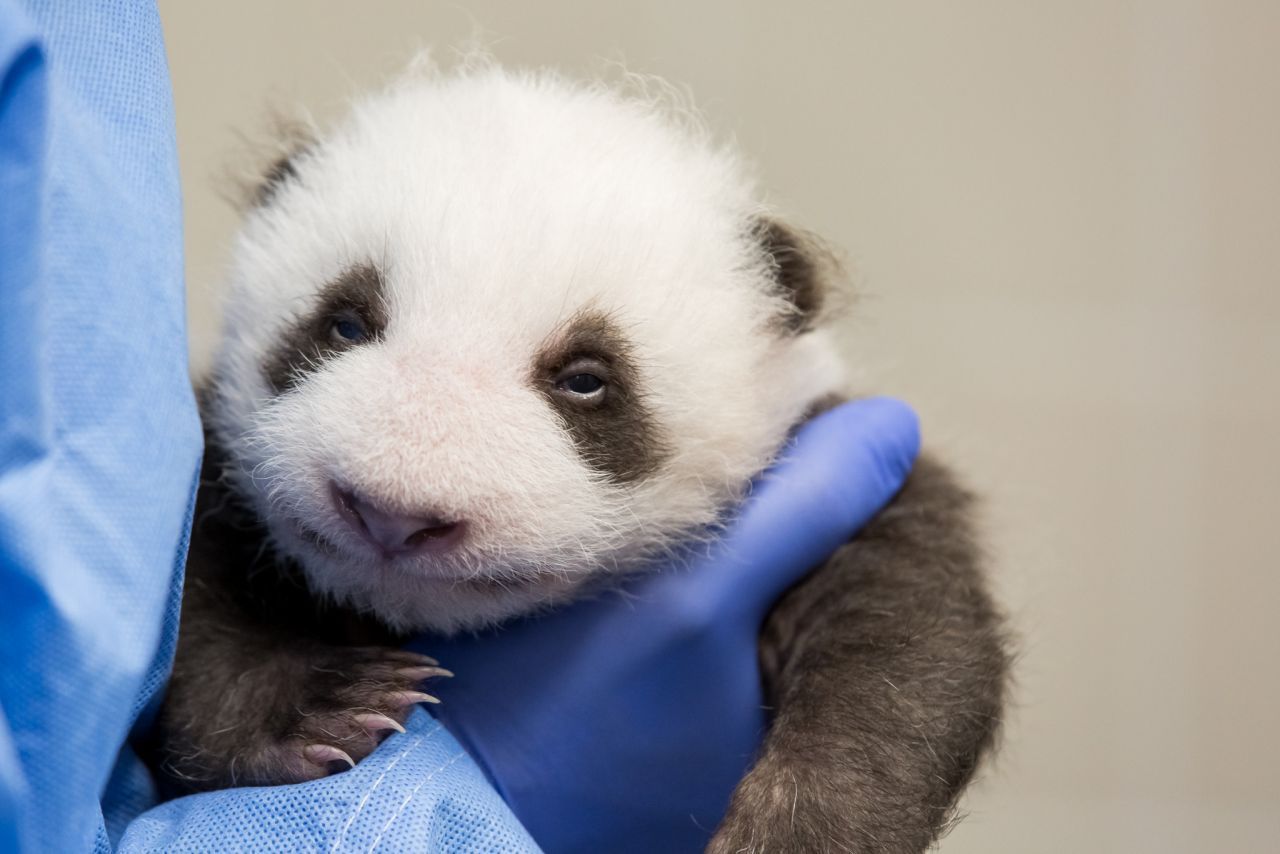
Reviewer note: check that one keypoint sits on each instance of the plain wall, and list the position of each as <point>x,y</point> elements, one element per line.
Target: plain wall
<point>1064,219</point>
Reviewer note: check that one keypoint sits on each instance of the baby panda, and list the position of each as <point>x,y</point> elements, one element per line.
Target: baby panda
<point>493,341</point>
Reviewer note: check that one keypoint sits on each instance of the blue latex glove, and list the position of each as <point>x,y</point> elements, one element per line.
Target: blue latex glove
<point>624,723</point>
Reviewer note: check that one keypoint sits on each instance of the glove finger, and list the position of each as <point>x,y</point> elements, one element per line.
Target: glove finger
<point>841,468</point>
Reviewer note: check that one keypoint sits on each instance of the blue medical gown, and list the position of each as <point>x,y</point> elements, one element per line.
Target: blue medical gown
<point>99,450</point>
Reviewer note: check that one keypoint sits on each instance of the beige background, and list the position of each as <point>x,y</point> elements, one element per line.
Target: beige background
<point>1067,220</point>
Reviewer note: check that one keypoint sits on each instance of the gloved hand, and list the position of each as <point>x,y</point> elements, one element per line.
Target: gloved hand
<point>623,723</point>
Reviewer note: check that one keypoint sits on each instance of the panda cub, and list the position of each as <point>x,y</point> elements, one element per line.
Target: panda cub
<point>493,340</point>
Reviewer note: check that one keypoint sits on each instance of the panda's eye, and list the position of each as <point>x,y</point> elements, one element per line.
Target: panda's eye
<point>349,329</point>
<point>585,381</point>
<point>583,384</point>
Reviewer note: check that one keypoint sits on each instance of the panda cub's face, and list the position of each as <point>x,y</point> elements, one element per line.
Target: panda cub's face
<point>496,334</point>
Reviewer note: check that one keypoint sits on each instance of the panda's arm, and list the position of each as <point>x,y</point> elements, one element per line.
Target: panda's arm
<point>886,670</point>
<point>267,687</point>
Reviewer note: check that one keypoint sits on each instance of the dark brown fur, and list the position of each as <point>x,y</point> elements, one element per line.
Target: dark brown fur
<point>280,172</point>
<point>886,669</point>
<point>310,342</point>
<point>262,666</point>
<point>295,141</point>
<point>619,436</point>
<point>796,261</point>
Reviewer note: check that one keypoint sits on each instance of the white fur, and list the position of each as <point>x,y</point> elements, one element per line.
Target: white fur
<point>499,204</point>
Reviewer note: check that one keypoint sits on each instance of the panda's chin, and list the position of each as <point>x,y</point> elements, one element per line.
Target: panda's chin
<point>422,603</point>
<point>422,594</point>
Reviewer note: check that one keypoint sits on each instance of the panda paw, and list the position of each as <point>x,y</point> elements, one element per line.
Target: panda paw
<point>351,700</point>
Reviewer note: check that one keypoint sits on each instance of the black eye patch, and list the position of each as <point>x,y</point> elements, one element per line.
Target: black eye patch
<point>350,311</point>
<point>587,373</point>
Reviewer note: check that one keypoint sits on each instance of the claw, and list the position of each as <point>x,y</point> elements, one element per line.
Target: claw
<point>413,657</point>
<point>323,754</point>
<point>409,698</point>
<point>378,723</point>
<point>417,674</point>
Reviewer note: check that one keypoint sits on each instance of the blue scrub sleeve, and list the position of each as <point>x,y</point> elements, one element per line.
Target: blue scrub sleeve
<point>420,791</point>
<point>99,453</point>
<point>98,436</point>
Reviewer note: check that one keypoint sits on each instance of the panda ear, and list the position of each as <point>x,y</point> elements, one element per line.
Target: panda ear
<point>266,168</point>
<point>801,271</point>
<point>279,172</point>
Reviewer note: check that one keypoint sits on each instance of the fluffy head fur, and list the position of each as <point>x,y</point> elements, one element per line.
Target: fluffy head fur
<point>496,224</point>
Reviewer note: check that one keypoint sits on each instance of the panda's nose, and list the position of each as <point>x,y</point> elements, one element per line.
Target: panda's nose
<point>393,533</point>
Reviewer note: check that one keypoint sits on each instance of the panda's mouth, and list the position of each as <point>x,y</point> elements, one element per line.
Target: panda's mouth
<point>492,584</point>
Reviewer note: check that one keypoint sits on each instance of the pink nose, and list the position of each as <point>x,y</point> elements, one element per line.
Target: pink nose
<point>393,533</point>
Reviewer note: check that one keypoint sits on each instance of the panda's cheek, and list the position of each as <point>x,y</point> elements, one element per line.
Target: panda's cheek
<point>508,468</point>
